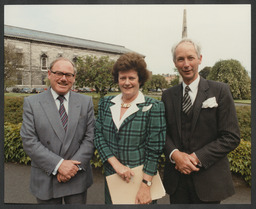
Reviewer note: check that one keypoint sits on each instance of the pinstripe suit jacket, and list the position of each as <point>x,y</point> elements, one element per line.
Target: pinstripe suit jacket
<point>139,140</point>
<point>46,142</point>
<point>214,133</point>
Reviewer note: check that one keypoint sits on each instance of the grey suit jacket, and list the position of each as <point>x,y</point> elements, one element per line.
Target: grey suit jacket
<point>214,133</point>
<point>45,142</point>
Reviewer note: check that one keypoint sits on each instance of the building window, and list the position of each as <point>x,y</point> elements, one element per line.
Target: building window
<point>19,79</point>
<point>44,59</point>
<point>43,79</point>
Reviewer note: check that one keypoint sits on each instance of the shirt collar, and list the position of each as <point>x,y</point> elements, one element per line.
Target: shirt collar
<point>139,99</point>
<point>193,86</point>
<point>55,95</point>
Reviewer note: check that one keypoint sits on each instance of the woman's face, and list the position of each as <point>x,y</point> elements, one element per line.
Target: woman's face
<point>129,85</point>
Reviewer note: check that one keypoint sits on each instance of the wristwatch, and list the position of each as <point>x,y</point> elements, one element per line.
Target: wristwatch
<point>148,183</point>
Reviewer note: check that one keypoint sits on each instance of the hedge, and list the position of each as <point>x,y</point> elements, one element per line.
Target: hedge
<point>244,121</point>
<point>240,158</point>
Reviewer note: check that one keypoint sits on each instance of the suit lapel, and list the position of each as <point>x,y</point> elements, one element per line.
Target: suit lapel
<point>74,108</point>
<point>201,96</point>
<point>177,106</point>
<point>133,111</point>
<point>50,108</point>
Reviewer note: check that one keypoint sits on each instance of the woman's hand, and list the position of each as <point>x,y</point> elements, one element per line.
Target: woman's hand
<point>123,171</point>
<point>143,196</point>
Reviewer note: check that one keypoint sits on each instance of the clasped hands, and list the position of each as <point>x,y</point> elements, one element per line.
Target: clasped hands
<point>67,170</point>
<point>185,163</point>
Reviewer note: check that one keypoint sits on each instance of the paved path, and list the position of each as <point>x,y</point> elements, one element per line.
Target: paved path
<point>16,190</point>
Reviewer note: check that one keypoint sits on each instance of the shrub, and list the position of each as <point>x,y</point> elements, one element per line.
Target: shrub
<point>13,109</point>
<point>13,144</point>
<point>244,121</point>
<point>240,160</point>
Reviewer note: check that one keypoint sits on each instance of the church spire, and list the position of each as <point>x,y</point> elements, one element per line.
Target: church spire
<point>184,27</point>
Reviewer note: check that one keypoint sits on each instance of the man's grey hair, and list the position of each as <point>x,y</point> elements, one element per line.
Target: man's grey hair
<point>65,59</point>
<point>196,45</point>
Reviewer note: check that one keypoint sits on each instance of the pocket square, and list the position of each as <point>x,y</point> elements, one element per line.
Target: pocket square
<point>146,108</point>
<point>210,103</point>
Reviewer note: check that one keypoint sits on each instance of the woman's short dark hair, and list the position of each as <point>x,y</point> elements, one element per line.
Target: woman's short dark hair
<point>131,61</point>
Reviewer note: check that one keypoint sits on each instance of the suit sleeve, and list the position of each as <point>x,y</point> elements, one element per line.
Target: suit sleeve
<point>156,131</point>
<point>86,149</point>
<point>228,137</point>
<point>99,141</point>
<point>40,155</point>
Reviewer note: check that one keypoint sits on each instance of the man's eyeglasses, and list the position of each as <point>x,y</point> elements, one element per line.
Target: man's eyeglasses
<point>59,74</point>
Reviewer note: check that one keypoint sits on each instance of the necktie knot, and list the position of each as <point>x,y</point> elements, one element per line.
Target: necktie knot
<point>186,101</point>
<point>187,89</point>
<point>61,98</point>
<point>62,111</point>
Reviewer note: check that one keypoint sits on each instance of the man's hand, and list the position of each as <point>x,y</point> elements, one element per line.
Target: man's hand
<point>68,169</point>
<point>185,163</point>
<point>61,178</point>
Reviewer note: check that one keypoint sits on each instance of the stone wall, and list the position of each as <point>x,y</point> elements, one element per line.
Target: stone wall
<point>33,75</point>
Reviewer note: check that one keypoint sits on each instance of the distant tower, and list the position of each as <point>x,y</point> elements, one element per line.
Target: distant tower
<point>184,32</point>
<point>184,27</point>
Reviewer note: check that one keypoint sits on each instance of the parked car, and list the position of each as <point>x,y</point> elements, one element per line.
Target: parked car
<point>38,90</point>
<point>83,90</point>
<point>25,90</point>
<point>16,90</point>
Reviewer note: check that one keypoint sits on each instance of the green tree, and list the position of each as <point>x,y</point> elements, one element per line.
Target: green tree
<point>156,82</point>
<point>13,61</point>
<point>233,73</point>
<point>175,81</point>
<point>205,72</point>
<point>95,72</point>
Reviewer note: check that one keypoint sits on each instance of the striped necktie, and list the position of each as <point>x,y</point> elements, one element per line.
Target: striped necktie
<point>186,101</point>
<point>62,111</point>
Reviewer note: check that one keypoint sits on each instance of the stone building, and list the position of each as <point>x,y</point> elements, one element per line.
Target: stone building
<point>41,48</point>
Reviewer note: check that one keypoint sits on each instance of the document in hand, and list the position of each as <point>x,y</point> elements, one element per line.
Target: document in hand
<point>122,192</point>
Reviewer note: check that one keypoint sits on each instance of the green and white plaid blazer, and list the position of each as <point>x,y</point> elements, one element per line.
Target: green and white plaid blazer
<point>139,139</point>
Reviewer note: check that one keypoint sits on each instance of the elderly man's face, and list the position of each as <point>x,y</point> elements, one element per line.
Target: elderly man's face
<point>61,84</point>
<point>187,62</point>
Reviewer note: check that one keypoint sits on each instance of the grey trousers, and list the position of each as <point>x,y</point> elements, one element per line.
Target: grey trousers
<point>71,199</point>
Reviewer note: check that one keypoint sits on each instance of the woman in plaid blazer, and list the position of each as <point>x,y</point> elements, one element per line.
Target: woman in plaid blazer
<point>130,128</point>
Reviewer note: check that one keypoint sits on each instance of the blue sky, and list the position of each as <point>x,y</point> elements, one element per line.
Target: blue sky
<point>224,31</point>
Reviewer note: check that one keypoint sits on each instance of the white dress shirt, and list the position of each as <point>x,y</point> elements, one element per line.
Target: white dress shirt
<point>65,103</point>
<point>193,93</point>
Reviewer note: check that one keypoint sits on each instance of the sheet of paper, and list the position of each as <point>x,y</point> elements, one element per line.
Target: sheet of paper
<point>125,193</point>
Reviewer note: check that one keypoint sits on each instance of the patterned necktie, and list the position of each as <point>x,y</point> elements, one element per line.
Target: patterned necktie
<point>62,111</point>
<point>186,101</point>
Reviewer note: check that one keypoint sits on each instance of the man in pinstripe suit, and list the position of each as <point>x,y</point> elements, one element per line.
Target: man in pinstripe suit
<point>202,128</point>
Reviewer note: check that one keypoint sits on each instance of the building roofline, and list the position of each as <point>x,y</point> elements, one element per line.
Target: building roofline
<point>35,35</point>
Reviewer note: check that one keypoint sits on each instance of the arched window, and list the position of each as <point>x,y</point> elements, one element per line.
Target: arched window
<point>44,59</point>
<point>19,78</point>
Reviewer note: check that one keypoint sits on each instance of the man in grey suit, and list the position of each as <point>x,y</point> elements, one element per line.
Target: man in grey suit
<point>202,128</point>
<point>57,134</point>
